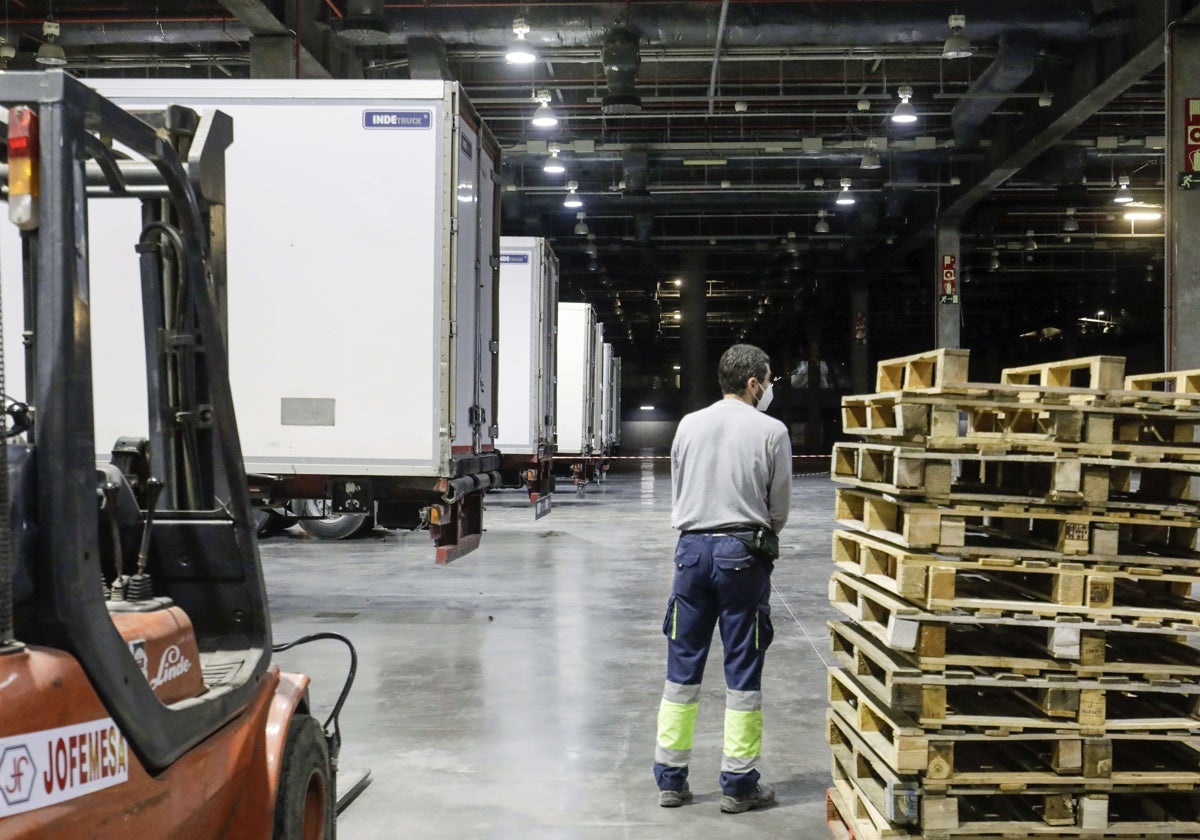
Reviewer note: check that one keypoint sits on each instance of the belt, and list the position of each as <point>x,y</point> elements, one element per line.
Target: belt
<point>725,532</point>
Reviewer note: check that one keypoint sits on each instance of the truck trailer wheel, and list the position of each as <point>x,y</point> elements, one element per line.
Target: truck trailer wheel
<point>268,521</point>
<point>304,804</point>
<point>337,526</point>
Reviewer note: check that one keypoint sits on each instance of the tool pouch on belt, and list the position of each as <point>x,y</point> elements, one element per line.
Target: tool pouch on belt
<point>762,543</point>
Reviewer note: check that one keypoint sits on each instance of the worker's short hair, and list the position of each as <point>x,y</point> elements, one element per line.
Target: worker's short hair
<point>738,364</point>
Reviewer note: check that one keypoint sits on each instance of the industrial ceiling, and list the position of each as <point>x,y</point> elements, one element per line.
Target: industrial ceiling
<point>709,143</point>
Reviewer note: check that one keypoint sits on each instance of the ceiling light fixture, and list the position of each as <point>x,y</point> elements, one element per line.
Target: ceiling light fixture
<point>957,45</point>
<point>50,53</point>
<point>822,225</point>
<point>845,197</point>
<point>1070,223</point>
<point>544,116</point>
<point>519,50</point>
<point>554,165</point>
<point>572,201</point>
<point>589,247</point>
<point>905,113</point>
<point>870,160</point>
<point>994,265</point>
<point>1142,215</point>
<point>1124,195</point>
<point>1030,242</point>
<point>581,228</point>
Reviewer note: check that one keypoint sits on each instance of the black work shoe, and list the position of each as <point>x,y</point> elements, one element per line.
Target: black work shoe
<point>762,796</point>
<point>674,798</point>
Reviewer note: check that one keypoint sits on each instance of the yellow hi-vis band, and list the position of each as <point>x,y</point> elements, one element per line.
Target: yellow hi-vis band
<point>743,733</point>
<point>676,725</point>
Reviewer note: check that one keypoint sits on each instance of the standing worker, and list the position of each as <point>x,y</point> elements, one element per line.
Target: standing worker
<point>731,482</point>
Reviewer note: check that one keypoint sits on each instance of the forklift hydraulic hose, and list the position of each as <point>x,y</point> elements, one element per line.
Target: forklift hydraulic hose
<point>334,738</point>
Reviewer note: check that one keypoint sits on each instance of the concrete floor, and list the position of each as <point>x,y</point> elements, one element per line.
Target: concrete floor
<point>513,694</point>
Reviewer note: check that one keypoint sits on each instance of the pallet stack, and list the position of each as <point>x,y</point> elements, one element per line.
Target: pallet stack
<point>1015,562</point>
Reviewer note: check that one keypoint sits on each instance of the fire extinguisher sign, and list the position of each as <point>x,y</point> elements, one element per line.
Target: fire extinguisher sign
<point>1191,139</point>
<point>949,282</point>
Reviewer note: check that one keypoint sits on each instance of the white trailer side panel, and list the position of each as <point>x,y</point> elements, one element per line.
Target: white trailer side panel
<point>575,397</point>
<point>341,291</point>
<point>596,376</point>
<point>606,367</point>
<point>528,303</point>
<point>616,402</point>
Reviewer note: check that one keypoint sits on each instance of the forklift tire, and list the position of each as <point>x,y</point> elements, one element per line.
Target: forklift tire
<point>305,801</point>
<point>339,526</point>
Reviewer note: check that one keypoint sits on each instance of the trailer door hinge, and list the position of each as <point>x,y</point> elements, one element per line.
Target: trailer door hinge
<point>454,225</point>
<point>493,431</point>
<point>453,328</point>
<point>477,415</point>
<point>453,431</point>
<point>494,345</point>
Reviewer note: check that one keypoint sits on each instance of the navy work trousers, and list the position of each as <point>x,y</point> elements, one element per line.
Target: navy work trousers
<point>717,584</point>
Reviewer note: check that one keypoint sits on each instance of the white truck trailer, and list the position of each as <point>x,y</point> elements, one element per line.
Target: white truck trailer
<point>360,300</point>
<point>528,305</point>
<point>580,400</point>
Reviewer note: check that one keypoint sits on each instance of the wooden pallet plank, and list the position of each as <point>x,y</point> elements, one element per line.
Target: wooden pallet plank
<point>1102,372</point>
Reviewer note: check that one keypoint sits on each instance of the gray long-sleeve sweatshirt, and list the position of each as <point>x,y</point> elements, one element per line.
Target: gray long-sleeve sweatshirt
<point>730,465</point>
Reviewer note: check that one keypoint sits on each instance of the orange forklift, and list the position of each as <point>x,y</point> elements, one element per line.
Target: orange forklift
<point>137,693</point>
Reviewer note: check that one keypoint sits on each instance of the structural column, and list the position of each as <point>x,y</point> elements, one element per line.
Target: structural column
<point>947,310</point>
<point>1181,333</point>
<point>860,326</point>
<point>696,379</point>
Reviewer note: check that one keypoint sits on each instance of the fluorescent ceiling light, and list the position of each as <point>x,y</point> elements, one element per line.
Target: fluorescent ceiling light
<point>1142,215</point>
<point>704,161</point>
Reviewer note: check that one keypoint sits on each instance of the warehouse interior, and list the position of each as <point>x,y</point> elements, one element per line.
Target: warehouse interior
<point>709,144</point>
<point>787,174</point>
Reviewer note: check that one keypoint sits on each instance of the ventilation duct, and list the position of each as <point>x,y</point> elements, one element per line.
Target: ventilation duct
<point>621,62</point>
<point>365,22</point>
<point>427,59</point>
<point>643,226</point>
<point>636,167</point>
<point>1014,64</point>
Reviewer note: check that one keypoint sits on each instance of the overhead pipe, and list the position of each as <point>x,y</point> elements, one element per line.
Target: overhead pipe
<point>585,25</point>
<point>1014,63</point>
<point>712,76</point>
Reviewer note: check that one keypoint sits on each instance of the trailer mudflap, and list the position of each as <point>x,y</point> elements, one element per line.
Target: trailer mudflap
<point>458,527</point>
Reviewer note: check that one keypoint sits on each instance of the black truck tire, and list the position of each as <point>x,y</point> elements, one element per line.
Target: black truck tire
<point>337,526</point>
<point>305,804</point>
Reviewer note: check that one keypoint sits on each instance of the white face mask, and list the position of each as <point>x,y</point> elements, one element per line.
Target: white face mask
<point>764,401</point>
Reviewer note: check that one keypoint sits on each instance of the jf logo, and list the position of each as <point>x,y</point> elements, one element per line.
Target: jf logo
<point>16,775</point>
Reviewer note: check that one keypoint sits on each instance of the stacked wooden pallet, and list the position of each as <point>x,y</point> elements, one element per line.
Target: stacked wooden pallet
<point>1015,561</point>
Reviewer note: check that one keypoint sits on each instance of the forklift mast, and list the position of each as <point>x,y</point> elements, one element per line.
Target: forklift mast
<point>175,507</point>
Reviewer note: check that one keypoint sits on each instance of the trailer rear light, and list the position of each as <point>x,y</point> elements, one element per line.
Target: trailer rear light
<point>23,180</point>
